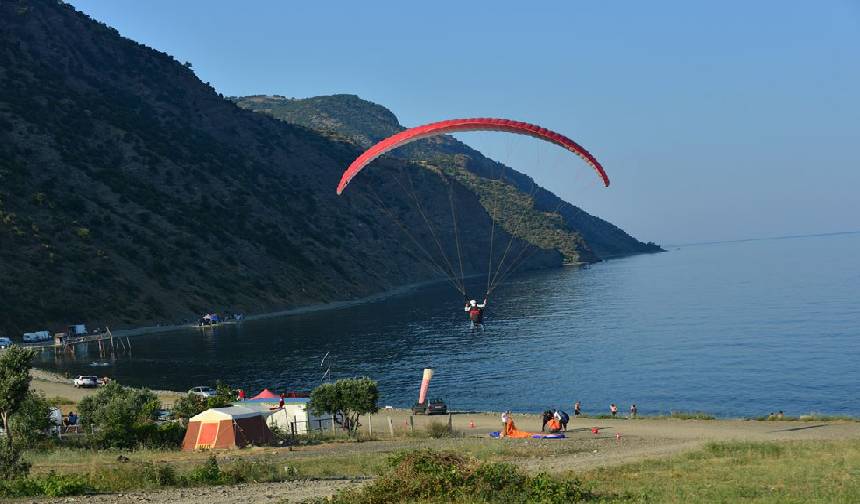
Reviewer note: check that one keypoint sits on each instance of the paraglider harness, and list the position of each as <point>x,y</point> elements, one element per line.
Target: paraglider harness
<point>476,314</point>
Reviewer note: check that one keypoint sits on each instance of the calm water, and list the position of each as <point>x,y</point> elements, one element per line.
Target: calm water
<point>736,329</point>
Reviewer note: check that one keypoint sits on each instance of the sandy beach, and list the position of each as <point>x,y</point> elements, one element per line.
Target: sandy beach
<point>55,385</point>
<point>617,441</point>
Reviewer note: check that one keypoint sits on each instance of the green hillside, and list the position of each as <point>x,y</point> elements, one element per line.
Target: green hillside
<point>133,193</point>
<point>519,206</point>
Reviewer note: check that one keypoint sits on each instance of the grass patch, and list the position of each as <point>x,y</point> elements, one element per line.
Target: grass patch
<point>50,485</point>
<point>438,430</point>
<point>147,475</point>
<point>60,401</point>
<point>800,471</point>
<point>426,475</point>
<point>691,415</point>
<point>815,472</point>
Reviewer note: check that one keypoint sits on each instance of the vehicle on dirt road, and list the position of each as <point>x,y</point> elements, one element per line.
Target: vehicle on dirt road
<point>86,381</point>
<point>431,407</point>
<point>203,391</point>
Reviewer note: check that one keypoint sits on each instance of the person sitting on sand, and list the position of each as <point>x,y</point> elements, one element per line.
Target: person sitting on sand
<point>554,424</point>
<point>545,418</point>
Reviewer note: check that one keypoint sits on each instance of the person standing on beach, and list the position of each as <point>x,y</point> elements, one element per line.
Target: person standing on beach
<point>577,409</point>
<point>241,395</point>
<point>506,417</point>
<point>633,411</point>
<point>613,409</point>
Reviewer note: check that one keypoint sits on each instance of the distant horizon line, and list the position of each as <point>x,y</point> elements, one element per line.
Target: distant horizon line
<point>784,237</point>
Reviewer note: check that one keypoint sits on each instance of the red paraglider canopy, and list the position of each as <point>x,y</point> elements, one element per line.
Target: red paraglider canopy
<point>462,125</point>
<point>266,394</point>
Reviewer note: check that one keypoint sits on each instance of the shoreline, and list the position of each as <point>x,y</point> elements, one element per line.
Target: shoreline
<point>55,384</point>
<point>299,310</point>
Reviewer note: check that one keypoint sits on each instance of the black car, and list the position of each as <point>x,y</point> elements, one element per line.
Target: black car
<point>431,407</point>
<point>437,407</point>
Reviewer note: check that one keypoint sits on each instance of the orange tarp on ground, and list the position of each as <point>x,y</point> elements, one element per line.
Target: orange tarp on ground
<point>511,431</point>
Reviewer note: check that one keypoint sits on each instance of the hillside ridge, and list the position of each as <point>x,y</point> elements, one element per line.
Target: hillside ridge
<point>132,193</point>
<point>552,222</point>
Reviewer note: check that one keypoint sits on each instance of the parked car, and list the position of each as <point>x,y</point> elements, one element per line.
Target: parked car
<point>437,407</point>
<point>164,415</point>
<point>36,337</point>
<point>86,381</point>
<point>431,407</point>
<point>5,342</point>
<point>203,391</point>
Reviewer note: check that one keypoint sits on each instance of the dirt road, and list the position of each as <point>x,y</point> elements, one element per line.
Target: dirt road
<point>273,493</point>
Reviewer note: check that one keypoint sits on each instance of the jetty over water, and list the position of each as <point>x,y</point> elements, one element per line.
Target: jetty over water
<point>105,339</point>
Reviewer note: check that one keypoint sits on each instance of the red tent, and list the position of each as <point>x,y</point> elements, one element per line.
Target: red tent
<point>266,394</point>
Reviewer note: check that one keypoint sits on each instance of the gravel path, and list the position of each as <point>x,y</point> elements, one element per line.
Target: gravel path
<point>291,491</point>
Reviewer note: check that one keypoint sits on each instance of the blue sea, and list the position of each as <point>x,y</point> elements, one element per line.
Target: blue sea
<point>736,329</point>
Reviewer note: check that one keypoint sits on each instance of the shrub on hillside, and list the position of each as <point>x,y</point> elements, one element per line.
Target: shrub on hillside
<point>188,406</point>
<point>50,485</point>
<point>160,436</point>
<point>426,475</point>
<point>347,398</point>
<point>209,473</point>
<point>32,422</point>
<point>439,430</point>
<point>11,465</point>
<point>118,415</point>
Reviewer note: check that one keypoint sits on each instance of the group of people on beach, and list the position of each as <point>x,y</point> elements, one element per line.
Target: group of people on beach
<point>613,410</point>
<point>555,420</point>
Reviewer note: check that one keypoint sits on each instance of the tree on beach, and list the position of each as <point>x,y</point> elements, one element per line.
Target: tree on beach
<point>349,398</point>
<point>188,406</point>
<point>32,422</point>
<point>119,414</point>
<point>15,365</point>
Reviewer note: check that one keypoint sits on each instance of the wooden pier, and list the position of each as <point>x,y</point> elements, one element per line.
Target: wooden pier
<point>105,339</point>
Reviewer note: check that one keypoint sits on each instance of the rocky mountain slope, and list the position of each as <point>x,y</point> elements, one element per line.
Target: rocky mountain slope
<point>549,221</point>
<point>131,192</point>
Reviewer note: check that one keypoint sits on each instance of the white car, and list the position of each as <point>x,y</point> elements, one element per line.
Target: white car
<point>86,381</point>
<point>203,391</point>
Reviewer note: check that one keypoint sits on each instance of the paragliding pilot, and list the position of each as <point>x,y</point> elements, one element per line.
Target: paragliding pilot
<point>476,312</point>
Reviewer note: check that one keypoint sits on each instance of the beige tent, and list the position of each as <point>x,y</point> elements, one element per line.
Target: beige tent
<point>232,427</point>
